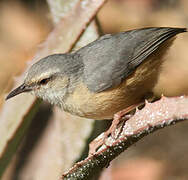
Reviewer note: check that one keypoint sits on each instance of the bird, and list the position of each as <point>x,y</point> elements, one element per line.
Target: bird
<point>112,73</point>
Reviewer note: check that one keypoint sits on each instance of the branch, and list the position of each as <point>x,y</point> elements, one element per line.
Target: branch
<point>154,116</point>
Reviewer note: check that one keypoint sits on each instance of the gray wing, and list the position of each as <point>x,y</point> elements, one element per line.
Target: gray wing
<point>111,58</point>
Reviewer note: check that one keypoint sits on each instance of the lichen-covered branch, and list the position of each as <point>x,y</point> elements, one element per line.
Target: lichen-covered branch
<point>154,116</point>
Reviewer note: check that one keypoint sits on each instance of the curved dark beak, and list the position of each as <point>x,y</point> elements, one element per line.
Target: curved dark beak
<point>18,90</point>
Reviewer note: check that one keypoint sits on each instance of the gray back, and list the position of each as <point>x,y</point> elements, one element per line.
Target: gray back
<point>111,58</point>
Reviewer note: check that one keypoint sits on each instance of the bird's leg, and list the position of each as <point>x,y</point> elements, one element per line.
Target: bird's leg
<point>123,116</point>
<point>118,117</point>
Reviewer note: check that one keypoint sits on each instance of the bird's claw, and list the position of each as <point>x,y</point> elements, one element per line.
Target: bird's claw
<point>111,132</point>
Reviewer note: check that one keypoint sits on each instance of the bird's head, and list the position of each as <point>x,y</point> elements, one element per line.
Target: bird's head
<point>46,79</point>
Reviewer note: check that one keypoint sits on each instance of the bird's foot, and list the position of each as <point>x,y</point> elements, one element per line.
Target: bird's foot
<point>118,118</point>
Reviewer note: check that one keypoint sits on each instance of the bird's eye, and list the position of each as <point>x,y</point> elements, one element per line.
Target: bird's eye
<point>44,81</point>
